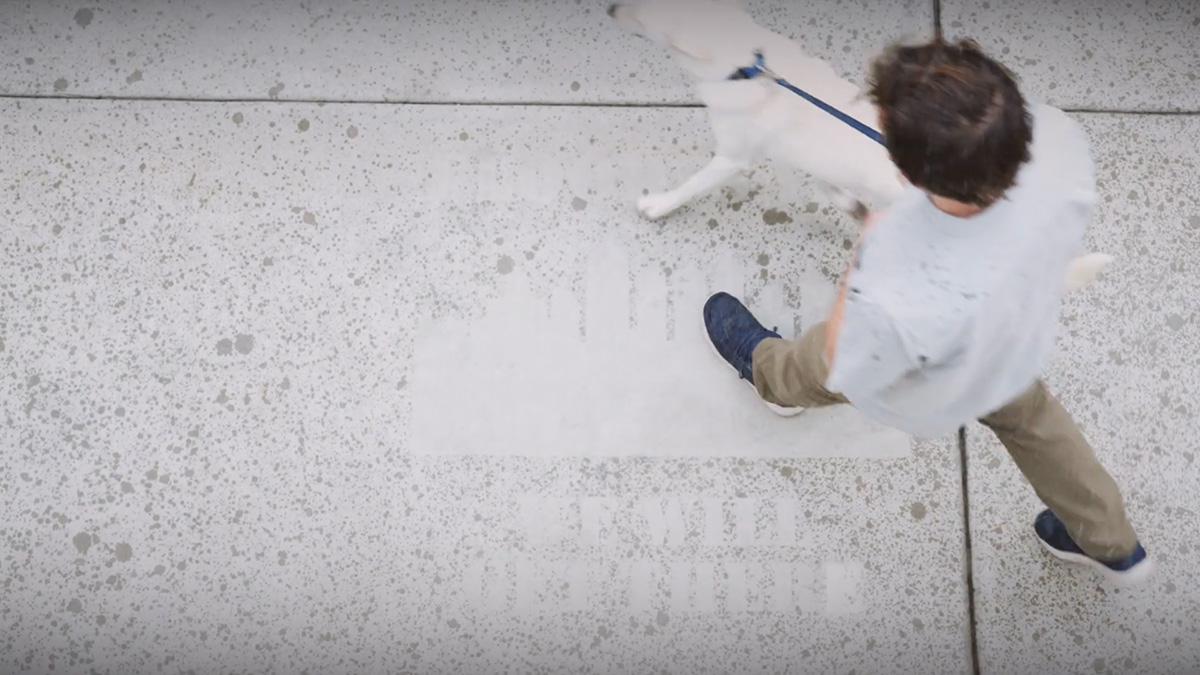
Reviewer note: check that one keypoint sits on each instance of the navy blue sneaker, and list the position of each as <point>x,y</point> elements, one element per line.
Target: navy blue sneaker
<point>1130,570</point>
<point>734,333</point>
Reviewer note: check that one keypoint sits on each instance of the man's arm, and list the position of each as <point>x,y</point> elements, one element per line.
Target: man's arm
<point>833,327</point>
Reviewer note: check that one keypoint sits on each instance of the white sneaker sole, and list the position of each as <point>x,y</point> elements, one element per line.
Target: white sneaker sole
<point>1136,576</point>
<point>777,409</point>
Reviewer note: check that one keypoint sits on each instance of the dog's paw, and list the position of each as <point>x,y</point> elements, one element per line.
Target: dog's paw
<point>656,206</point>
<point>1084,270</point>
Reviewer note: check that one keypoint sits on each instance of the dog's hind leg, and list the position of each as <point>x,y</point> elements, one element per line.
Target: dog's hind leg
<point>715,174</point>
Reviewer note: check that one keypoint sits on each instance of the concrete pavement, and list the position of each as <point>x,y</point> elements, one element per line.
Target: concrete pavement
<point>340,376</point>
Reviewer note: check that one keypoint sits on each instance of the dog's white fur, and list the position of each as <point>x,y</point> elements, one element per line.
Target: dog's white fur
<point>757,119</point>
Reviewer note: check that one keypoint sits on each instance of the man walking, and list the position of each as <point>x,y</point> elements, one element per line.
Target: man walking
<point>949,310</point>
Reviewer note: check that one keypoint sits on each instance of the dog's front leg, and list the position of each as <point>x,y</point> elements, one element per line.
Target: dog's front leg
<point>716,173</point>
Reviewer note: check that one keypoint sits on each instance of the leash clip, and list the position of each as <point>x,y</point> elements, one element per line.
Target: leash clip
<point>752,72</point>
<point>760,65</point>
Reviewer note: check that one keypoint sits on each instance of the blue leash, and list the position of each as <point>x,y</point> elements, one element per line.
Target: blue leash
<point>760,68</point>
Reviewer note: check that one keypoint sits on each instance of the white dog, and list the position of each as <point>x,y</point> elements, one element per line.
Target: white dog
<point>756,119</point>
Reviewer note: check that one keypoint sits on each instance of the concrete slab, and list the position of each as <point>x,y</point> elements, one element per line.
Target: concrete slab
<point>1079,54</point>
<point>221,332</point>
<point>562,51</point>
<point>1129,372</point>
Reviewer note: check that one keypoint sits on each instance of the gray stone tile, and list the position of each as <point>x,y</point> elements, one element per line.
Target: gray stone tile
<point>1080,54</point>
<point>1128,370</point>
<point>216,343</point>
<point>561,51</point>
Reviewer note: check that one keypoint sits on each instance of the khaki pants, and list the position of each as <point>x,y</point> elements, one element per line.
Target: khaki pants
<point>1038,432</point>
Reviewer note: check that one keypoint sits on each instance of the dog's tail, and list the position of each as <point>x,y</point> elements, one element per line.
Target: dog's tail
<point>1084,269</point>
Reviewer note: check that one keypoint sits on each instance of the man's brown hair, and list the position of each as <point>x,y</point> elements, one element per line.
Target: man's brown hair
<point>953,119</point>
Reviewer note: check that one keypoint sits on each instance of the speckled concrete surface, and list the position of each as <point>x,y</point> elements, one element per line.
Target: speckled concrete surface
<point>224,329</point>
<point>211,316</point>
<point>1129,371</point>
<point>1120,55</point>
<point>562,51</point>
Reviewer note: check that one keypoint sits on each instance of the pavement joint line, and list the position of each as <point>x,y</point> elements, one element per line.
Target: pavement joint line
<point>316,101</point>
<point>968,555</point>
<point>1147,113</point>
<point>487,104</point>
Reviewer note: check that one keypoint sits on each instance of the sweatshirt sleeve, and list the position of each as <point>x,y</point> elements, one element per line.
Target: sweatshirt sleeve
<point>870,354</point>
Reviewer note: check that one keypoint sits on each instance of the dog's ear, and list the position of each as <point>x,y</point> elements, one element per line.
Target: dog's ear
<point>689,47</point>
